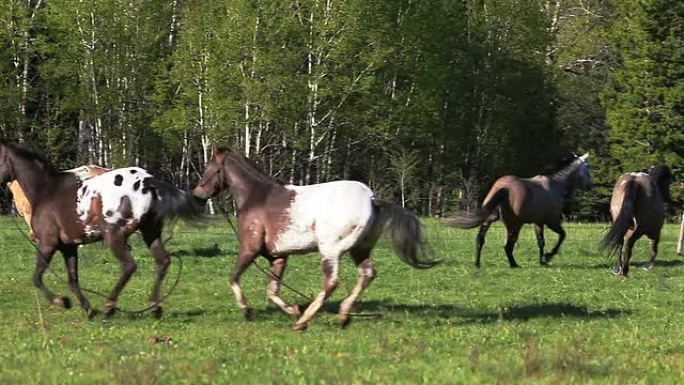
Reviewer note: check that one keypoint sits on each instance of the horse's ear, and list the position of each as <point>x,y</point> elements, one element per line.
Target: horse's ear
<point>585,157</point>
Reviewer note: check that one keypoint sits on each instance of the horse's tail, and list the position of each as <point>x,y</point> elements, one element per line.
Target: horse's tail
<point>171,202</point>
<point>407,234</point>
<point>467,220</point>
<point>613,239</point>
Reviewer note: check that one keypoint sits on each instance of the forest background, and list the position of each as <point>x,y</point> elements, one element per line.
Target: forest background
<point>427,101</point>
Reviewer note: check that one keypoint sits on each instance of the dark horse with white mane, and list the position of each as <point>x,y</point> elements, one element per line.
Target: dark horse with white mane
<point>68,212</point>
<point>537,200</point>
<point>638,208</point>
<point>276,220</point>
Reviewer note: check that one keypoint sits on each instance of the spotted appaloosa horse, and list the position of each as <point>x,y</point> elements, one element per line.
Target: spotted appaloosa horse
<point>537,200</point>
<point>24,206</point>
<point>638,208</point>
<point>68,212</point>
<point>277,220</point>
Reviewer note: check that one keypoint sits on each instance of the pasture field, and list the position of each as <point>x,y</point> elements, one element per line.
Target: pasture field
<point>572,322</point>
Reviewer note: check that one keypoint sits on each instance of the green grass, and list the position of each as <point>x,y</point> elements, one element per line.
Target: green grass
<point>573,322</point>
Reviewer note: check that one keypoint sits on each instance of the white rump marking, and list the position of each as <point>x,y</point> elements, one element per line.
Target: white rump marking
<point>329,216</point>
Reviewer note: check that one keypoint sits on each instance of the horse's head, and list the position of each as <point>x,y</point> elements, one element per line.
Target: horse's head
<point>582,174</point>
<point>214,177</point>
<point>662,176</point>
<point>6,169</point>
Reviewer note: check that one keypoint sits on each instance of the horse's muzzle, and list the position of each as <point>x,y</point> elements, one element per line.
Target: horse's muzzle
<point>200,193</point>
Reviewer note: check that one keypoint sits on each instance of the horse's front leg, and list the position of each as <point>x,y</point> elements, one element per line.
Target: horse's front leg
<point>558,229</point>
<point>278,265</point>
<point>70,253</point>
<point>44,255</point>
<point>329,267</point>
<point>245,258</point>
<point>539,233</point>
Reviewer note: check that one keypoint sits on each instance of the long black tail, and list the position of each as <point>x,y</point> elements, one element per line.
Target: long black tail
<point>468,220</point>
<point>613,239</point>
<point>407,234</point>
<point>171,202</point>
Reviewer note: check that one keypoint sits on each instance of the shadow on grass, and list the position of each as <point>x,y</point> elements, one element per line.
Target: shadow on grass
<point>516,312</point>
<point>608,265</point>
<point>206,252</point>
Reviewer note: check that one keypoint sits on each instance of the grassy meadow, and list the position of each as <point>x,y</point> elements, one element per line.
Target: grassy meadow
<point>572,322</point>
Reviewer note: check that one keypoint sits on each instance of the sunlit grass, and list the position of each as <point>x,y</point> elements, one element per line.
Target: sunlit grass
<point>572,322</point>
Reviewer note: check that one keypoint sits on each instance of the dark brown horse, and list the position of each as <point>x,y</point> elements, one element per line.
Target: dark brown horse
<point>276,220</point>
<point>638,208</point>
<point>68,212</point>
<point>537,200</point>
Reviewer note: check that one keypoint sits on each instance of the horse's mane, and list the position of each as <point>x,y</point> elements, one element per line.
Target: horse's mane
<point>23,151</point>
<point>662,176</point>
<point>559,164</point>
<point>248,166</point>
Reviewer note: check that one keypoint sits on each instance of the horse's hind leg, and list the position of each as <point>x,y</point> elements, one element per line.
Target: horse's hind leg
<point>43,257</point>
<point>116,240</point>
<point>361,257</point>
<point>539,232</point>
<point>558,229</point>
<point>512,232</point>
<point>631,240</point>
<point>70,253</point>
<point>329,266</point>
<point>151,232</point>
<point>617,268</point>
<point>653,252</point>
<point>480,241</point>
<point>278,265</point>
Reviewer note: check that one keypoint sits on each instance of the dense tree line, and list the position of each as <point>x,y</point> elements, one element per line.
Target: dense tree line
<point>428,101</point>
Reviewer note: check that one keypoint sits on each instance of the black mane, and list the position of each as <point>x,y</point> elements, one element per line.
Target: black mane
<point>662,176</point>
<point>26,152</point>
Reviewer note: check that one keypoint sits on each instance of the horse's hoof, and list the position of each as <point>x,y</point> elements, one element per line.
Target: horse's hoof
<point>648,266</point>
<point>63,302</point>
<point>248,312</point>
<point>295,311</point>
<point>157,312</point>
<point>344,320</point>
<point>515,266</point>
<point>92,313</point>
<point>300,327</point>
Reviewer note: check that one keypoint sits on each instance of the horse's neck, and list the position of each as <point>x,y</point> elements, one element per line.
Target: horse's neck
<point>562,178</point>
<point>31,176</point>
<point>243,182</point>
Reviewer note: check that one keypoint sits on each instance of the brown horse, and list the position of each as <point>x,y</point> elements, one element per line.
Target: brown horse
<point>638,208</point>
<point>24,206</point>
<point>68,212</point>
<point>537,200</point>
<point>277,220</point>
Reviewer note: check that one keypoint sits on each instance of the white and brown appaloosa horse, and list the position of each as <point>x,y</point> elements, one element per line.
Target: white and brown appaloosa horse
<point>638,208</point>
<point>537,200</point>
<point>68,212</point>
<point>276,220</point>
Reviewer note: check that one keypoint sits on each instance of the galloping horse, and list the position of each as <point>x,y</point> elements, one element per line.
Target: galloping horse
<point>68,212</point>
<point>537,200</point>
<point>24,206</point>
<point>277,220</point>
<point>638,208</point>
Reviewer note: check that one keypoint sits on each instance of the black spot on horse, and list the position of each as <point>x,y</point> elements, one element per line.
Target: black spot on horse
<point>84,189</point>
<point>109,213</point>
<point>145,190</point>
<point>134,171</point>
<point>136,186</point>
<point>118,180</point>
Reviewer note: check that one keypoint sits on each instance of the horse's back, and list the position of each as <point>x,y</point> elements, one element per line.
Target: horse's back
<point>325,213</point>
